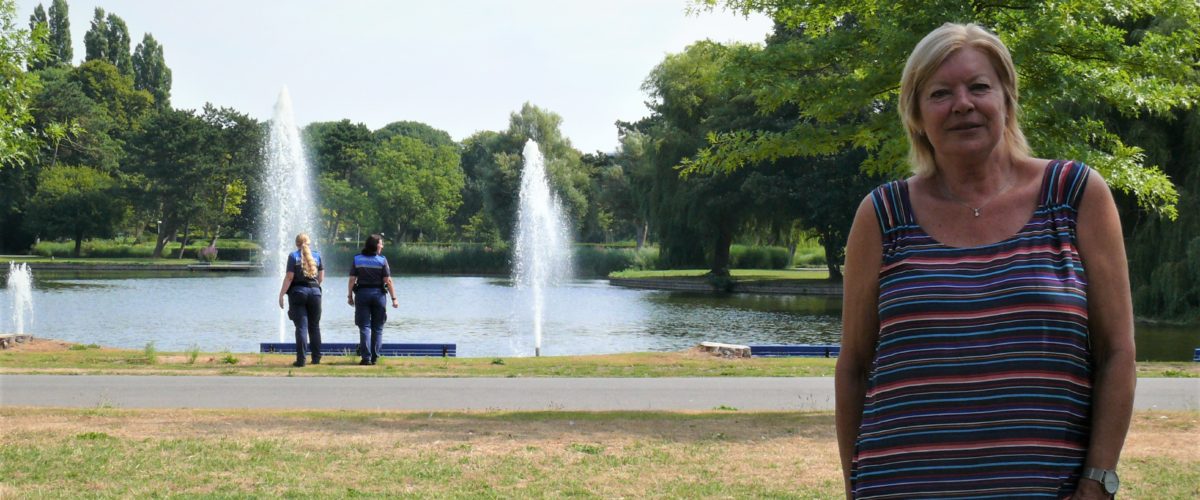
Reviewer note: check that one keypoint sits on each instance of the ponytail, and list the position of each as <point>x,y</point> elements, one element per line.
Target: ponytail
<point>307,263</point>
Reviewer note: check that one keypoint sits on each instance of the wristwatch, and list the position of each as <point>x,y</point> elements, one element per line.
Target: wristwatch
<point>1107,478</point>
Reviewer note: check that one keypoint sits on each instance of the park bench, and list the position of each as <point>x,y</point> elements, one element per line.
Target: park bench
<point>807,350</point>
<point>1196,355</point>
<point>339,348</point>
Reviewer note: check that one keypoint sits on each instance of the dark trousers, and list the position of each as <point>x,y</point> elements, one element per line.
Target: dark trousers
<point>370,312</point>
<point>304,308</point>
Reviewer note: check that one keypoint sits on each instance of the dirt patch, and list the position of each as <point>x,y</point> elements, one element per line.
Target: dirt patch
<point>39,345</point>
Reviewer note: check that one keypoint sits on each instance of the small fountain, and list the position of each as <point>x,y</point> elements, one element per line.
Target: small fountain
<point>290,205</point>
<point>543,242</point>
<point>20,288</point>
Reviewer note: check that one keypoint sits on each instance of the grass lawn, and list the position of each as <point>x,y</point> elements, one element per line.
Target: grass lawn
<point>739,274</point>
<point>115,453</point>
<point>56,357</point>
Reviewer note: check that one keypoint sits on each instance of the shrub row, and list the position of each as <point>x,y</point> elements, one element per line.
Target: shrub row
<point>227,250</point>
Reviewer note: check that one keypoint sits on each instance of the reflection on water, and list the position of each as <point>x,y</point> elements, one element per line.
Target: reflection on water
<point>484,316</point>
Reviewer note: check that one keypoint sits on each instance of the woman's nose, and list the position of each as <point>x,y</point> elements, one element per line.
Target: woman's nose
<point>962,101</point>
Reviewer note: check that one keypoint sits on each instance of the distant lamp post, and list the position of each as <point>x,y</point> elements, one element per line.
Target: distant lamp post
<point>159,230</point>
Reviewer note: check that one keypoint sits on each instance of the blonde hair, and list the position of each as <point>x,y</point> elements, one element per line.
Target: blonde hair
<point>924,61</point>
<point>307,262</point>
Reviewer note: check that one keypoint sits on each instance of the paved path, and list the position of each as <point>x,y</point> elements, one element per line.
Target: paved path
<point>587,394</point>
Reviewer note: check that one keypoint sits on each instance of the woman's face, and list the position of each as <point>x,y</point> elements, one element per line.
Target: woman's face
<point>962,106</point>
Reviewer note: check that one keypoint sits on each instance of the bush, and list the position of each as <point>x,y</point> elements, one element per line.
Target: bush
<point>809,257</point>
<point>597,262</point>
<point>118,249</point>
<point>756,257</point>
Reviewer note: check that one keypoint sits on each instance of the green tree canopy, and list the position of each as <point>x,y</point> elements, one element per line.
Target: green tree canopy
<point>17,87</point>
<point>77,203</point>
<point>125,105</point>
<point>1076,60</point>
<point>107,39</point>
<point>415,186</point>
<point>57,26</point>
<point>59,39</point>
<point>416,130</point>
<point>150,71</point>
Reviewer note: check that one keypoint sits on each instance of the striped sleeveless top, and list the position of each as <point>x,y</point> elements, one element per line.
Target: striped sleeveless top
<point>981,382</point>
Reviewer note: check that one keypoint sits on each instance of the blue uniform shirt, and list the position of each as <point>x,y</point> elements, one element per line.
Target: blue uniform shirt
<point>294,265</point>
<point>370,270</point>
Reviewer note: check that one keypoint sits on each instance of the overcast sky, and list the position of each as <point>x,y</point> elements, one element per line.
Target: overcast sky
<point>458,65</point>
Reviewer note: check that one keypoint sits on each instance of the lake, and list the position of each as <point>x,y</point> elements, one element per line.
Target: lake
<point>486,317</point>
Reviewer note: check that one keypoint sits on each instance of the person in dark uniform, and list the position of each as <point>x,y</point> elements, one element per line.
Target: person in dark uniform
<point>302,285</point>
<point>370,284</point>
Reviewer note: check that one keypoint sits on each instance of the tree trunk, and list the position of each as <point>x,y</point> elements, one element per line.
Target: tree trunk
<point>831,262</point>
<point>720,264</point>
<point>78,243</point>
<point>643,232</point>
<point>334,226</point>
<point>161,240</point>
<point>184,241</point>
<point>217,232</point>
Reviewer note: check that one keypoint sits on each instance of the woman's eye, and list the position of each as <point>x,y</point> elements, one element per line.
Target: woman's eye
<point>980,87</point>
<point>939,93</point>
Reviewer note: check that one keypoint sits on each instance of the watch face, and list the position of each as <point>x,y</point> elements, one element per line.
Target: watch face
<point>1111,483</point>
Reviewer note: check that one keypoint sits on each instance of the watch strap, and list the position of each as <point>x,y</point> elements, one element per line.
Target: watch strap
<point>1107,478</point>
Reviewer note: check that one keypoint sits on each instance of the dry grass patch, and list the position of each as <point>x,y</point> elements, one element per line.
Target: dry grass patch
<point>114,452</point>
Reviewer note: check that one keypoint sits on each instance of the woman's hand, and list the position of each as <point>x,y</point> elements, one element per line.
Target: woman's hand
<point>281,301</point>
<point>350,299</point>
<point>395,302</point>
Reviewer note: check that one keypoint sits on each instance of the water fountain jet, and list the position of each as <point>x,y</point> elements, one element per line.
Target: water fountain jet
<point>20,287</point>
<point>290,206</point>
<point>543,242</point>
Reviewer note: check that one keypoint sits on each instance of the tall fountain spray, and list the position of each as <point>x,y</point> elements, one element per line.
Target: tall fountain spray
<point>290,206</point>
<point>543,242</point>
<point>20,288</point>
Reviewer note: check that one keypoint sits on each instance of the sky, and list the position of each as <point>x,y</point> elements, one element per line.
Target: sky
<point>458,65</point>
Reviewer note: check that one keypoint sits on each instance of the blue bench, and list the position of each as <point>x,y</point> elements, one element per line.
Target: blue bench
<point>336,348</point>
<point>808,350</point>
<point>1196,355</point>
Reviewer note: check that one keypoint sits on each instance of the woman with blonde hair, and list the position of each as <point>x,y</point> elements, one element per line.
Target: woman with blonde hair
<point>302,286</point>
<point>978,360</point>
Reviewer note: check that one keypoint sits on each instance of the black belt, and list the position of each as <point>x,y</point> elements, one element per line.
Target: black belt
<point>380,287</point>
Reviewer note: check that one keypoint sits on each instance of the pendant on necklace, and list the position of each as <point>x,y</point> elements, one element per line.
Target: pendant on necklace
<point>976,210</point>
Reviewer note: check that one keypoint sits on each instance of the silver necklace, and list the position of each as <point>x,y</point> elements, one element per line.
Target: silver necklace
<point>975,210</point>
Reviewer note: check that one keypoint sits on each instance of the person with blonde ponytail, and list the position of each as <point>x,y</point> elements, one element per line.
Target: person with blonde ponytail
<point>302,286</point>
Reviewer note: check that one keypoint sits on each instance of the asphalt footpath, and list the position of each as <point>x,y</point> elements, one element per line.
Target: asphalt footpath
<point>474,394</point>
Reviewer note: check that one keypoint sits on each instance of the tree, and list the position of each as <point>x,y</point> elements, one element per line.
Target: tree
<point>38,21</point>
<point>415,186</point>
<point>17,87</point>
<point>150,71</point>
<point>95,40</point>
<point>341,151</point>
<point>117,36</point>
<point>339,147</point>
<point>232,152</point>
<point>495,161</point>
<point>847,64</point>
<point>125,105</point>
<point>77,130</point>
<point>168,158</point>
<point>58,35</point>
<point>76,202</point>
<point>416,130</point>
<point>108,39</point>
<point>59,40</point>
